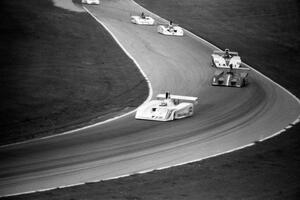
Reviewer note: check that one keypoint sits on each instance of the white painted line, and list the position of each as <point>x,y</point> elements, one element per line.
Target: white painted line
<point>273,135</point>
<point>108,120</point>
<point>28,192</point>
<point>128,54</point>
<point>145,171</point>
<point>47,189</point>
<point>92,181</point>
<point>42,190</point>
<point>296,121</point>
<point>288,127</point>
<point>71,185</point>
<point>196,160</point>
<point>116,177</point>
<point>127,175</point>
<point>214,46</point>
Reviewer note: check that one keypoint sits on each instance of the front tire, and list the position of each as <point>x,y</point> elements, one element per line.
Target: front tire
<point>244,83</point>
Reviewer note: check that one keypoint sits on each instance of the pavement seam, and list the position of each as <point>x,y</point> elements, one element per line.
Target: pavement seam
<point>297,120</point>
<point>149,97</point>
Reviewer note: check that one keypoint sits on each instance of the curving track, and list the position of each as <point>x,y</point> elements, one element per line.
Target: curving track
<point>225,118</point>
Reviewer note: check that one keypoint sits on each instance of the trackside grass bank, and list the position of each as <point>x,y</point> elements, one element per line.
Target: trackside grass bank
<point>60,70</point>
<point>265,33</point>
<point>268,170</point>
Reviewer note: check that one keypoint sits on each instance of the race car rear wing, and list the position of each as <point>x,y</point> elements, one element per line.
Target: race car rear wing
<point>223,52</point>
<point>244,74</point>
<point>177,97</point>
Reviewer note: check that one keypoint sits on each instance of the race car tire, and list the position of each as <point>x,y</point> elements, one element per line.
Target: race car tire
<point>174,114</point>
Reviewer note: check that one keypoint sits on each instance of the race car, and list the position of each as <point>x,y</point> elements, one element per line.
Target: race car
<point>142,20</point>
<point>167,107</point>
<point>170,29</point>
<point>96,2</point>
<point>230,78</point>
<point>222,59</point>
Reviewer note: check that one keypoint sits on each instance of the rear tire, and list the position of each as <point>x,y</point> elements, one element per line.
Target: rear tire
<point>244,83</point>
<point>174,114</point>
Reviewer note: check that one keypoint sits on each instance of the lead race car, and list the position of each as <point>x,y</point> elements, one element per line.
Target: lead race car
<point>170,29</point>
<point>167,107</point>
<point>142,20</point>
<point>223,59</point>
<point>95,2</point>
<point>230,78</point>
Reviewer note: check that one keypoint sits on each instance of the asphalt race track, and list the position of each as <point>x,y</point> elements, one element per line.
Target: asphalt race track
<point>225,118</point>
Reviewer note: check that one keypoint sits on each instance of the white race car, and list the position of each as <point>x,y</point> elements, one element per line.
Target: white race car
<point>167,107</point>
<point>170,29</point>
<point>142,20</point>
<point>96,2</point>
<point>223,59</point>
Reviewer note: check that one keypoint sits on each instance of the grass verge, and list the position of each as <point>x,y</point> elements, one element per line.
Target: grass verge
<point>60,70</point>
<point>265,33</point>
<point>268,170</point>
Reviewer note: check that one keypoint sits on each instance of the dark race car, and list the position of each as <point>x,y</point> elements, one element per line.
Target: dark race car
<point>230,78</point>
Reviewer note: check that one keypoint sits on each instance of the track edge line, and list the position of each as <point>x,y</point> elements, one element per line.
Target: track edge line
<point>150,94</point>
